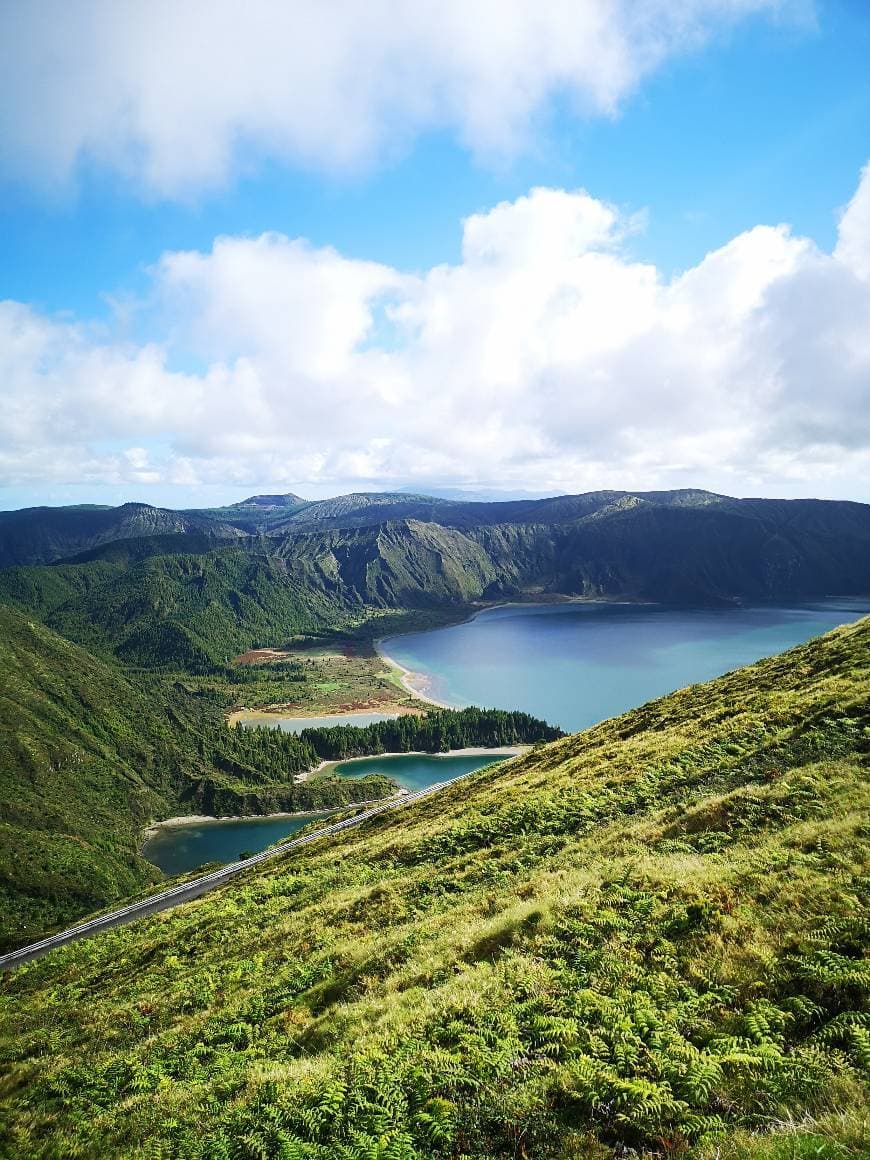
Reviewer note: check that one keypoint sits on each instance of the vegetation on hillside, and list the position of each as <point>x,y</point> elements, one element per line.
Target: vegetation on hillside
<point>191,613</point>
<point>648,936</point>
<point>88,756</point>
<point>39,535</point>
<point>435,732</point>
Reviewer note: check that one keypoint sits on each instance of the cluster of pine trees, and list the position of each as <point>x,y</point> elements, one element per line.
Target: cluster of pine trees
<point>279,755</point>
<point>435,732</point>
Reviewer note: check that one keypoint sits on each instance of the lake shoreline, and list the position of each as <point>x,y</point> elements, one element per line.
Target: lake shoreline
<point>209,819</point>
<point>205,819</point>
<point>408,677</point>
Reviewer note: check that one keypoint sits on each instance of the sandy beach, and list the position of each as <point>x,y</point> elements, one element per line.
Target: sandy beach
<point>469,751</point>
<point>408,676</point>
<point>201,819</point>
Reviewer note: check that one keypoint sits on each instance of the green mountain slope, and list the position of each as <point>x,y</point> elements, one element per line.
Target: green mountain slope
<point>187,612</point>
<point>87,757</point>
<point>645,936</point>
<point>257,513</point>
<point>630,548</point>
<point>392,549</point>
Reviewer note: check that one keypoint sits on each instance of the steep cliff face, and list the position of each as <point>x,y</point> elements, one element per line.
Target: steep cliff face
<point>629,548</point>
<point>401,564</point>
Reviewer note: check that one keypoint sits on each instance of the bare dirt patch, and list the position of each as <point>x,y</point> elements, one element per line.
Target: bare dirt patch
<point>260,656</point>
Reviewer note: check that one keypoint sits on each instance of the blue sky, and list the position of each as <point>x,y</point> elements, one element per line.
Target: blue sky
<point>765,122</point>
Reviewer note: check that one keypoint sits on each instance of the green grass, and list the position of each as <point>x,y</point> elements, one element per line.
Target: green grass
<point>189,612</point>
<point>649,936</point>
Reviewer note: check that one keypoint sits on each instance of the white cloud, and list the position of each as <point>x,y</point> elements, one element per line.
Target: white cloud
<point>546,358</point>
<point>177,94</point>
<point>853,244</point>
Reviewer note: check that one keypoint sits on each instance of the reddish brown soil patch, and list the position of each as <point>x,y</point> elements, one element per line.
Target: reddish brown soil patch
<point>257,656</point>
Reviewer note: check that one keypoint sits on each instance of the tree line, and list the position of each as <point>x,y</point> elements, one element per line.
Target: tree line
<point>434,732</point>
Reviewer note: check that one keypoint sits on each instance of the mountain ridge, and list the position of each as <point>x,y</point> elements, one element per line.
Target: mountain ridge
<point>44,534</point>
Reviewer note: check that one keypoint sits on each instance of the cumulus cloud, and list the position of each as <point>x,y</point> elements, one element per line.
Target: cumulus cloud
<point>545,358</point>
<point>177,94</point>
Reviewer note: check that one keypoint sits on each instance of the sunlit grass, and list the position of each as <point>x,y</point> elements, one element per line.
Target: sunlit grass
<point>648,936</point>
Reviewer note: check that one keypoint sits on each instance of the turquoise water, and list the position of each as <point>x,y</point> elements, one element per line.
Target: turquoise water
<point>416,770</point>
<point>577,664</point>
<point>297,724</point>
<point>178,849</point>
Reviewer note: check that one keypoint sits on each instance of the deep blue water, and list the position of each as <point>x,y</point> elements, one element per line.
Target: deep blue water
<point>577,664</point>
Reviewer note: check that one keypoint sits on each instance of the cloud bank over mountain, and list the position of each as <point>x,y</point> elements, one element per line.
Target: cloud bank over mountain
<point>181,96</point>
<point>547,357</point>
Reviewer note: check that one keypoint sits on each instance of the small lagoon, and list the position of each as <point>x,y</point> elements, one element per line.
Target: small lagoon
<point>182,848</point>
<point>178,849</point>
<point>418,770</point>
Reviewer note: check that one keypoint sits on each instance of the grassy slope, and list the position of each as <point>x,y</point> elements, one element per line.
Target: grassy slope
<point>87,757</point>
<point>649,934</point>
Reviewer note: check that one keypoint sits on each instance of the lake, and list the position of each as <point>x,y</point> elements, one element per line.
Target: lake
<point>417,770</point>
<point>575,664</point>
<point>178,849</point>
<point>572,664</point>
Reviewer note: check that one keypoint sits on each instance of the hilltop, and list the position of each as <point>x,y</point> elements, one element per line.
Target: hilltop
<point>43,534</point>
<point>648,935</point>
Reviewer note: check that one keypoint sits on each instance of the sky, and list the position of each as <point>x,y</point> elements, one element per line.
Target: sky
<point>508,246</point>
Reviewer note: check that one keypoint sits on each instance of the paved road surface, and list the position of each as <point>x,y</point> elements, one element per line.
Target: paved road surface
<point>193,889</point>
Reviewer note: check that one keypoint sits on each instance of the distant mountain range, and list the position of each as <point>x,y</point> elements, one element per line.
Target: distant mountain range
<point>160,586</point>
<point>41,535</point>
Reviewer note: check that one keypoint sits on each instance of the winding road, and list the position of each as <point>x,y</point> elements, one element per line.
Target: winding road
<point>175,895</point>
